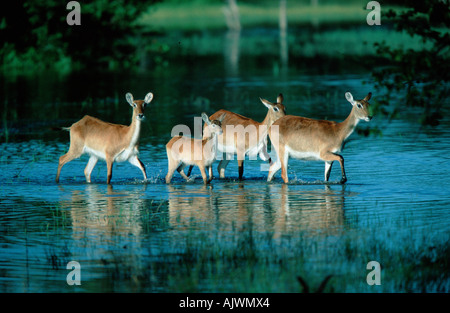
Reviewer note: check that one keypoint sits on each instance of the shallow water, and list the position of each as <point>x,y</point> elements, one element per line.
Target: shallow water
<point>135,235</point>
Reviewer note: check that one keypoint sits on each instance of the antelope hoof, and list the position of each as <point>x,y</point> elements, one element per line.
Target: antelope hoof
<point>343,180</point>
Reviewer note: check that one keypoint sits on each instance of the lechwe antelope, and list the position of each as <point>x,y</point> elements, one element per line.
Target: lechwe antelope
<point>235,141</point>
<point>106,141</point>
<point>309,139</point>
<point>182,151</point>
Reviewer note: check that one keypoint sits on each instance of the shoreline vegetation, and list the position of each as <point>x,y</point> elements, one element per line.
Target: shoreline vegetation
<point>331,30</point>
<point>405,55</point>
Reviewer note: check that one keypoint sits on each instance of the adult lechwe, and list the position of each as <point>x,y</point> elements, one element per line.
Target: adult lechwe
<point>243,136</point>
<point>310,139</point>
<point>106,141</point>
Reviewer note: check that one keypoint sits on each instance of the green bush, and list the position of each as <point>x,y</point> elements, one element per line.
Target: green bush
<point>417,77</point>
<point>36,34</point>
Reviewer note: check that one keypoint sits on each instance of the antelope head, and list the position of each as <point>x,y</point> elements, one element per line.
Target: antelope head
<point>361,107</point>
<point>139,105</point>
<point>276,110</point>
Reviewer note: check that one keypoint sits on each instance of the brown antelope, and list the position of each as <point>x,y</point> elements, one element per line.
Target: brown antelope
<point>309,139</point>
<point>234,139</point>
<point>106,141</point>
<point>182,151</point>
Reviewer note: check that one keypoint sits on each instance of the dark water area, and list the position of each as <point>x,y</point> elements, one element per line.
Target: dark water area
<point>153,237</point>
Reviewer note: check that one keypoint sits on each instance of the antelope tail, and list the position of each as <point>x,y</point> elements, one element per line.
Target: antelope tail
<point>61,128</point>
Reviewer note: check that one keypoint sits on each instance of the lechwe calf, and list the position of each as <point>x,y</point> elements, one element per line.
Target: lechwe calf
<point>309,139</point>
<point>106,141</point>
<point>243,136</point>
<point>183,151</point>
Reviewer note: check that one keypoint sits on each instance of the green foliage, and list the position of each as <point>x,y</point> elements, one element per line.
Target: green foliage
<point>198,15</point>
<point>418,76</point>
<point>37,35</point>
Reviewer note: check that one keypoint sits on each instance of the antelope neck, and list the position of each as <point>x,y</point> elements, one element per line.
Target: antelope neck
<point>348,125</point>
<point>134,129</point>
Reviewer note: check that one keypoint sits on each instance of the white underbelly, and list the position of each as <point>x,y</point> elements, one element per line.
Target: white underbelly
<point>252,151</point>
<point>126,154</point>
<point>209,161</point>
<point>303,155</point>
<point>226,149</point>
<point>123,156</point>
<point>93,152</point>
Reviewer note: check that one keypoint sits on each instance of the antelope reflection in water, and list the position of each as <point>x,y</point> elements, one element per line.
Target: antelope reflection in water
<point>316,211</point>
<point>107,228</point>
<point>106,214</point>
<point>274,208</point>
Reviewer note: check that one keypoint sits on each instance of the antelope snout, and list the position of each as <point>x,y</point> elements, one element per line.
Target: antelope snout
<point>368,119</point>
<point>141,117</point>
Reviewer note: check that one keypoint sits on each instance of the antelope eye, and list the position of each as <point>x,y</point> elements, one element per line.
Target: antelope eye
<point>275,109</point>
<point>359,105</point>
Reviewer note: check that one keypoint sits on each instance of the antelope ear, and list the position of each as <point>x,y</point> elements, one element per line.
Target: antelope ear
<point>222,117</point>
<point>148,98</point>
<point>130,99</point>
<point>349,98</point>
<point>268,104</point>
<point>206,118</point>
<point>367,98</point>
<point>280,98</point>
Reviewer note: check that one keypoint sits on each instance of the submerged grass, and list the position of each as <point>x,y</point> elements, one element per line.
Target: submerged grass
<point>125,244</point>
<point>212,267</point>
<point>249,260</point>
<point>156,255</point>
<point>160,257</point>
